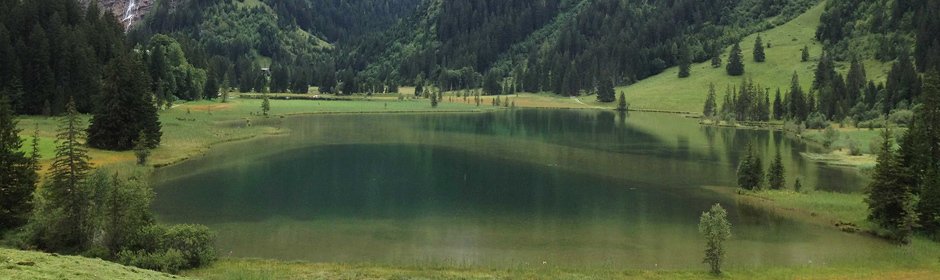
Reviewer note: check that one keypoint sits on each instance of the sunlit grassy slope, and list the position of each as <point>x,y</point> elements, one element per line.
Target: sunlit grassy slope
<point>16,264</point>
<point>667,92</point>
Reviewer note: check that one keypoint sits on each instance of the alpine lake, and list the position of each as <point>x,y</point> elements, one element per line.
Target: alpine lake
<point>510,188</point>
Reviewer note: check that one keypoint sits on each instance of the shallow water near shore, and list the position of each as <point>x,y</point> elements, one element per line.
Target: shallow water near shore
<point>498,189</point>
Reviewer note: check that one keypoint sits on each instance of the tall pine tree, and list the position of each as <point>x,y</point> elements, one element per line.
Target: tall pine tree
<point>605,91</point>
<point>685,61</point>
<point>126,108</point>
<point>17,173</point>
<point>920,154</point>
<point>890,201</point>
<point>779,109</point>
<point>62,221</point>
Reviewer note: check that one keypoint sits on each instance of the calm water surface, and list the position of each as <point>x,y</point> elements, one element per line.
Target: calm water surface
<point>497,189</point>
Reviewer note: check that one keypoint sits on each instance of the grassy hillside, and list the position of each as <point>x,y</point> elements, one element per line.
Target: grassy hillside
<point>667,92</point>
<point>16,264</point>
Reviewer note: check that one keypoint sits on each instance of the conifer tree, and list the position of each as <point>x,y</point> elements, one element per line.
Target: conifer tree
<point>622,105</point>
<point>491,84</point>
<point>685,61</point>
<point>125,108</point>
<point>776,173</point>
<point>890,201</point>
<point>797,101</point>
<point>711,106</point>
<point>716,59</point>
<point>779,111</point>
<point>62,220</point>
<point>750,171</point>
<point>855,82</point>
<point>735,65</point>
<point>805,54</point>
<point>605,91</point>
<point>797,185</point>
<point>17,172</point>
<point>211,88</point>
<point>920,151</point>
<point>759,55</point>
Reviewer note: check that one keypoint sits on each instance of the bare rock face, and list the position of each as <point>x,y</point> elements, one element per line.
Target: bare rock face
<point>129,12</point>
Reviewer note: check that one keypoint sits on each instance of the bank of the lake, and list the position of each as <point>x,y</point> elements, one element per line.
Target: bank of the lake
<point>257,269</point>
<point>190,129</point>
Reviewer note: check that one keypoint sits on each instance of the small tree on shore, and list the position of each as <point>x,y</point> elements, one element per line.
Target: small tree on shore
<point>711,105</point>
<point>830,135</point>
<point>141,150</point>
<point>265,105</point>
<point>750,172</point>
<point>776,173</point>
<point>716,229</point>
<point>622,105</point>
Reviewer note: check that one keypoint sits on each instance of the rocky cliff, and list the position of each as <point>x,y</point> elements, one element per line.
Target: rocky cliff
<point>128,12</point>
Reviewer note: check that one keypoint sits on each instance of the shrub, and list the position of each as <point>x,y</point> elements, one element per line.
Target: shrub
<point>195,242</point>
<point>830,135</point>
<point>816,120</point>
<point>852,145</point>
<point>901,117</point>
<point>169,261</point>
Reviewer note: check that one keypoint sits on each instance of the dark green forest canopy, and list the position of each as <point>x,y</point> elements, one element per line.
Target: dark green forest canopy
<point>535,41</point>
<point>453,43</point>
<point>54,50</point>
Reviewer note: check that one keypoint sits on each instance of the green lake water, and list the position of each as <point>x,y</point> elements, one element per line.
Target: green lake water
<point>498,189</point>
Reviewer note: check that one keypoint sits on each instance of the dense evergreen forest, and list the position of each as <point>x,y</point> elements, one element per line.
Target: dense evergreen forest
<point>53,50</point>
<point>233,39</point>
<point>560,46</point>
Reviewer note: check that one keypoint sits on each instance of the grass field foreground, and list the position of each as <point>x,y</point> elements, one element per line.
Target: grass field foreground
<point>16,264</point>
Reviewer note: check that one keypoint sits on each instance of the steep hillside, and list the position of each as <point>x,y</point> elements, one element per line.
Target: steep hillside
<point>129,12</point>
<point>293,37</point>
<point>668,92</point>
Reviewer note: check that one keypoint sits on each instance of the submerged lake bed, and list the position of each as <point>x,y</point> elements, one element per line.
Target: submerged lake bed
<point>569,188</point>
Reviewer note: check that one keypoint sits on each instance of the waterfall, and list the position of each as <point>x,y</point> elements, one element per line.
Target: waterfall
<point>128,18</point>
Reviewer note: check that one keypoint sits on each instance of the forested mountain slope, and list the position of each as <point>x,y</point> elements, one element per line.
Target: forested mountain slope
<point>235,38</point>
<point>562,46</point>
